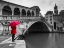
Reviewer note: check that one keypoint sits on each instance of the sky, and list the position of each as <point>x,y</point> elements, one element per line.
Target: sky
<point>44,5</point>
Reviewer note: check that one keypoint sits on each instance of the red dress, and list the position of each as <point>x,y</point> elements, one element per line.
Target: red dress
<point>13,31</point>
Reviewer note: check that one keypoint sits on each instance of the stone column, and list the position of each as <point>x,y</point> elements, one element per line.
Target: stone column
<point>31,13</point>
<point>12,12</point>
<point>1,9</point>
<point>4,30</point>
<point>8,29</point>
<point>20,12</point>
<point>0,12</point>
<point>26,13</point>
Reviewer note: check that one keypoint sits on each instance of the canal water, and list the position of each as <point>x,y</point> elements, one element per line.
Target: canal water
<point>44,40</point>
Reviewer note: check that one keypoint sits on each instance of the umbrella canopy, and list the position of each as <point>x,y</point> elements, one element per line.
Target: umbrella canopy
<point>14,23</point>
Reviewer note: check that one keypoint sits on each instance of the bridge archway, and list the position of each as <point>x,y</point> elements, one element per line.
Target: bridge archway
<point>23,12</point>
<point>32,13</point>
<point>6,10</point>
<point>28,13</point>
<point>38,27</point>
<point>16,11</point>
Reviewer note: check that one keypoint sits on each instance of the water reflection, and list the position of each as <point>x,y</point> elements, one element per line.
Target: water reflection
<point>44,40</point>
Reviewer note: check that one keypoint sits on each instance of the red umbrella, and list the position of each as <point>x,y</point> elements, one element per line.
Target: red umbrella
<point>14,23</point>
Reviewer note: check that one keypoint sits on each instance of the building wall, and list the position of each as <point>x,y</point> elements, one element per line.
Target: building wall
<point>58,19</point>
<point>49,18</point>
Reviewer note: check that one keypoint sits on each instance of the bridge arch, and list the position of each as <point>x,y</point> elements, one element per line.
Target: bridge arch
<point>23,12</point>
<point>32,13</point>
<point>28,13</point>
<point>37,26</point>
<point>16,11</point>
<point>6,10</point>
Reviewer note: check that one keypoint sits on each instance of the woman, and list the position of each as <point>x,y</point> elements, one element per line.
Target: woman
<point>13,32</point>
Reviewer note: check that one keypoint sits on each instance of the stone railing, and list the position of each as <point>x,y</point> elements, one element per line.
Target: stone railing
<point>17,17</point>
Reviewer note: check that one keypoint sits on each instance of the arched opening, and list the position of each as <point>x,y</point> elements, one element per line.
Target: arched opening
<point>16,11</point>
<point>6,10</point>
<point>32,13</point>
<point>38,27</point>
<point>23,12</point>
<point>28,13</point>
<point>54,25</point>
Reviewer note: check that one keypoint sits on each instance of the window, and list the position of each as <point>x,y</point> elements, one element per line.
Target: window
<point>54,25</point>
<point>63,24</point>
<point>50,19</point>
<point>51,22</point>
<point>46,17</point>
<point>50,16</point>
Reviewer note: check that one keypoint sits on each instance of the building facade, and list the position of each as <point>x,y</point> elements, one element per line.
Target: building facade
<point>49,17</point>
<point>57,22</point>
<point>57,19</point>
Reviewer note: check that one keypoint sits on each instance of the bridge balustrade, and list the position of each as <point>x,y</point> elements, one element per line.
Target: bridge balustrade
<point>16,17</point>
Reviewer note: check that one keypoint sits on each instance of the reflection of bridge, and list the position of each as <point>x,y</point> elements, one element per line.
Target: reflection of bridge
<point>30,23</point>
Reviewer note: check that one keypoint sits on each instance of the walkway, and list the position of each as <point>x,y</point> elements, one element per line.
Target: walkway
<point>9,44</point>
<point>4,37</point>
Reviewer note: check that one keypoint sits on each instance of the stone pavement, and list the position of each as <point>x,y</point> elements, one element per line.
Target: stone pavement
<point>9,44</point>
<point>4,37</point>
<point>20,44</point>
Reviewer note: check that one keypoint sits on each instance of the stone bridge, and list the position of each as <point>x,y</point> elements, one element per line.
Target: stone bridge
<point>28,23</point>
<point>30,17</point>
<point>35,25</point>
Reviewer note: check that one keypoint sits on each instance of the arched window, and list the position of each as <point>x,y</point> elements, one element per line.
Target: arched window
<point>23,12</point>
<point>16,11</point>
<point>28,13</point>
<point>6,10</point>
<point>54,25</point>
<point>32,13</point>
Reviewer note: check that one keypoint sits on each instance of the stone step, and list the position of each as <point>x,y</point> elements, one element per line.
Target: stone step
<point>20,44</point>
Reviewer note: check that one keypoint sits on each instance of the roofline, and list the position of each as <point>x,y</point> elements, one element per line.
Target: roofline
<point>15,4</point>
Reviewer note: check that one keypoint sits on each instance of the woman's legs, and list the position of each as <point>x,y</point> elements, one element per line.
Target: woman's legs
<point>13,35</point>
